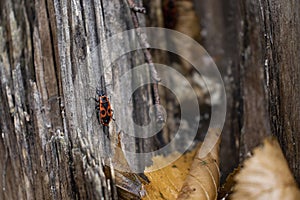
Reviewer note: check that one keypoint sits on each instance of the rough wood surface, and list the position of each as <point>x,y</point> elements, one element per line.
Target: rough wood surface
<point>270,67</point>
<point>281,30</point>
<point>52,146</point>
<point>259,40</point>
<point>255,117</point>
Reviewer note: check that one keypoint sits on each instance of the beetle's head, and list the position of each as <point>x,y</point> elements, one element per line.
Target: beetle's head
<point>100,92</point>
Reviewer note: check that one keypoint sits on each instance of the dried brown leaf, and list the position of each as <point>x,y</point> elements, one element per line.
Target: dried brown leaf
<point>266,175</point>
<point>202,181</point>
<point>195,175</point>
<point>165,183</point>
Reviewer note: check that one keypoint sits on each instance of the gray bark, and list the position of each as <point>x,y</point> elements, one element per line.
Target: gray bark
<point>52,146</point>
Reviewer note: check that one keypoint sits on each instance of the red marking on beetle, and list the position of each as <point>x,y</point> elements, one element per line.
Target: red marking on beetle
<point>104,111</point>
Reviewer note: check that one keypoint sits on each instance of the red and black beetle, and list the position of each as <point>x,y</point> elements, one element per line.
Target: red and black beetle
<point>104,111</point>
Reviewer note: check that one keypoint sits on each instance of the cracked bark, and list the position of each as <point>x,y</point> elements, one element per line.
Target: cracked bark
<point>51,145</point>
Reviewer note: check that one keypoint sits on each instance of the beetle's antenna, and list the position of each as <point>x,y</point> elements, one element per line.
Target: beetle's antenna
<point>101,87</point>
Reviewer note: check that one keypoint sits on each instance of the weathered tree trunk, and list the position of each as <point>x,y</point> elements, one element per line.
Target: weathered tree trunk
<point>256,45</point>
<point>52,58</point>
<point>51,145</point>
<point>281,31</point>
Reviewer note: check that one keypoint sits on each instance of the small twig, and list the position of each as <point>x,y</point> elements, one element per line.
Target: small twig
<point>135,8</point>
<point>145,45</point>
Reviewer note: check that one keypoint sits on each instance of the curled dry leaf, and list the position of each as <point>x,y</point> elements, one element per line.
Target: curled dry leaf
<point>266,175</point>
<point>165,183</point>
<point>189,177</point>
<point>202,181</point>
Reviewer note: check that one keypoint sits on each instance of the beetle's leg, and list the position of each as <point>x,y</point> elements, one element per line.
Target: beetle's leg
<point>98,117</point>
